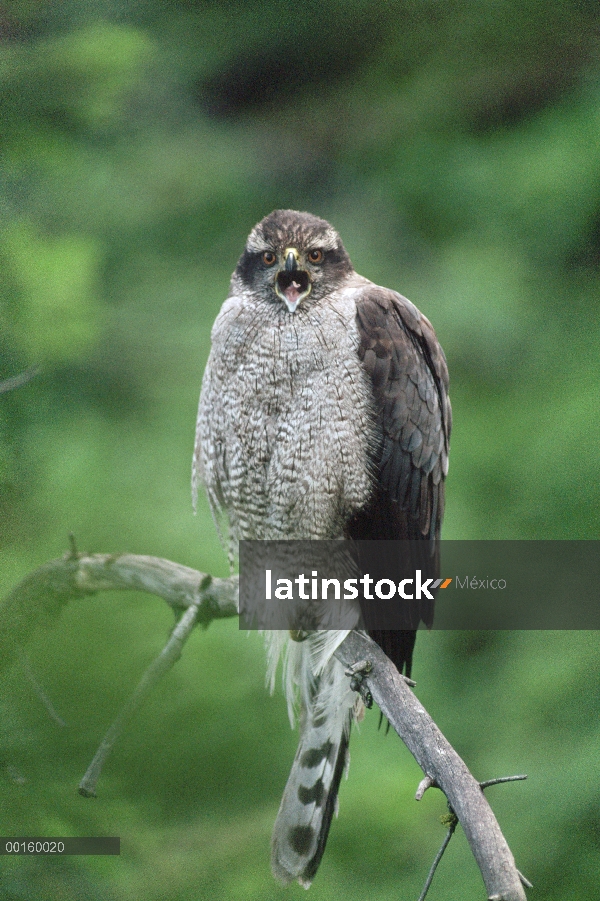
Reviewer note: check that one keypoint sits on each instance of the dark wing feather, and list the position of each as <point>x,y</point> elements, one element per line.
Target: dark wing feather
<point>409,378</point>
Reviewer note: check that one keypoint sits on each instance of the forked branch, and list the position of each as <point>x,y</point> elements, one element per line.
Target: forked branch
<point>198,598</point>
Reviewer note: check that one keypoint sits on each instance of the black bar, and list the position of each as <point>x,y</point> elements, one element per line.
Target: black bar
<point>22,846</point>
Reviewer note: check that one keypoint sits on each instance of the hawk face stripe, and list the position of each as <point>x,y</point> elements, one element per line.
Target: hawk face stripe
<point>249,264</point>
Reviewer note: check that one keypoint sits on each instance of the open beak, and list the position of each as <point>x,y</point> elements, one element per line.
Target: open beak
<point>292,284</point>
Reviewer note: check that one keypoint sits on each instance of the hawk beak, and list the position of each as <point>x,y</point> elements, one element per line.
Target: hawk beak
<point>292,284</point>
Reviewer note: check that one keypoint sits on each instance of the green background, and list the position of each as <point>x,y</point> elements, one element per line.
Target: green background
<point>455,146</point>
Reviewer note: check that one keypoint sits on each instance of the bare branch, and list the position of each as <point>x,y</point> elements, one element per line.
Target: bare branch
<point>41,595</point>
<point>18,380</point>
<point>438,857</point>
<point>502,779</point>
<point>167,658</point>
<point>438,760</point>
<point>426,783</point>
<point>29,673</point>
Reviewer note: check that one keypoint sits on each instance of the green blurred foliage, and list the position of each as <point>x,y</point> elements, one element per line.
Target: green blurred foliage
<point>455,146</point>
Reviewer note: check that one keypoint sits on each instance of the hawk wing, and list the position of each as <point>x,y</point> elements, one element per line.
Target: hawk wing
<point>409,379</point>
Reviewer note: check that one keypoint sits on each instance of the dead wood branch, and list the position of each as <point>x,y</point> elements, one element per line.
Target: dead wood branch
<point>440,762</point>
<point>41,595</point>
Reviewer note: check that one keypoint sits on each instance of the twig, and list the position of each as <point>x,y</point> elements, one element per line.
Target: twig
<point>167,658</point>
<point>428,783</point>
<point>524,880</point>
<point>502,779</point>
<point>26,667</point>
<point>73,553</point>
<point>424,784</point>
<point>17,380</point>
<point>452,826</point>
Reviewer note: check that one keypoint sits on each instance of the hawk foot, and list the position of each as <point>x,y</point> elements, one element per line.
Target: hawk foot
<point>357,673</point>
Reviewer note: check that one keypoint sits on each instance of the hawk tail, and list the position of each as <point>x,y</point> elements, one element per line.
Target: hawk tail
<point>310,797</point>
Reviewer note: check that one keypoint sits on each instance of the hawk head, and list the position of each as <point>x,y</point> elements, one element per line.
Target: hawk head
<point>293,258</point>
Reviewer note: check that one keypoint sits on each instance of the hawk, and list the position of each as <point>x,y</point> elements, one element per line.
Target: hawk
<point>324,413</point>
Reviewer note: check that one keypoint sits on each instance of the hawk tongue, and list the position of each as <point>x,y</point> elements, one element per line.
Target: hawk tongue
<point>293,293</point>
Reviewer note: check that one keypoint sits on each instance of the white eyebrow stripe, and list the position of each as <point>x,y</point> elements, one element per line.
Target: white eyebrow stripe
<point>329,241</point>
<point>256,243</point>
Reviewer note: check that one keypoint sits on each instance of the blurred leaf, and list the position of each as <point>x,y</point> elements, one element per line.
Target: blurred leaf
<point>58,315</point>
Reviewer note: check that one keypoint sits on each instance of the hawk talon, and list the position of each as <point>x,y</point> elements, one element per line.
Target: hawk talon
<point>357,673</point>
<point>361,667</point>
<point>357,684</point>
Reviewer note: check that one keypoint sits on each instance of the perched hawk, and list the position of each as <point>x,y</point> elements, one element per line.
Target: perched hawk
<point>324,413</point>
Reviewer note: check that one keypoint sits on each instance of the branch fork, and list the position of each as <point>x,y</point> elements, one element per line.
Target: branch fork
<point>197,598</point>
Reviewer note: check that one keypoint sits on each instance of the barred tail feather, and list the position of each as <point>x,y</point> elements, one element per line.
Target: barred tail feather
<point>310,799</point>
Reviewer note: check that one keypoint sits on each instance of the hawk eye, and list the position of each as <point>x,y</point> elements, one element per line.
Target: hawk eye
<point>268,258</point>
<point>315,256</point>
